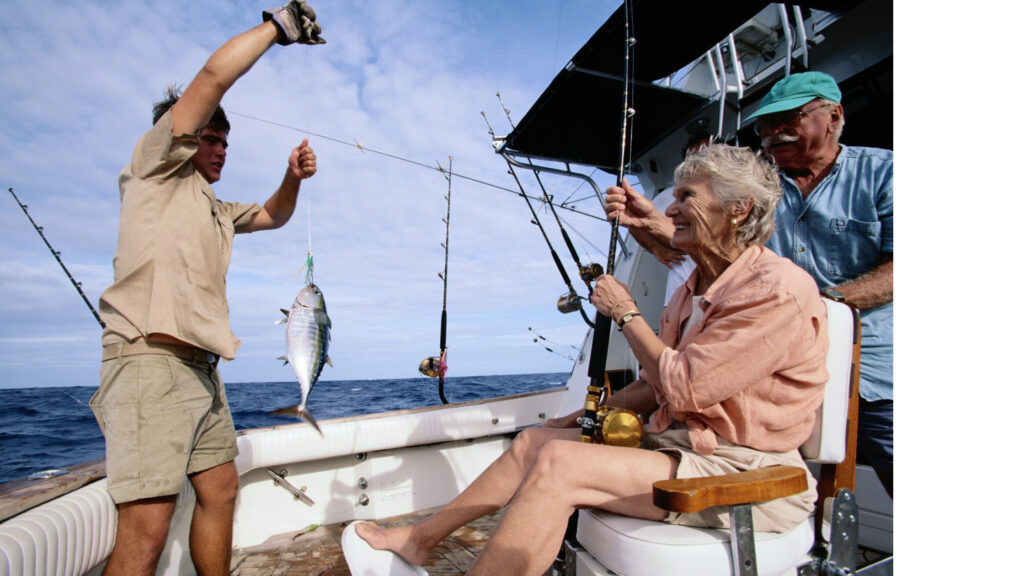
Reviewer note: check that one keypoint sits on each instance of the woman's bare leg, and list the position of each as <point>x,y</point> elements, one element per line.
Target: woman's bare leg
<point>567,475</point>
<point>490,492</point>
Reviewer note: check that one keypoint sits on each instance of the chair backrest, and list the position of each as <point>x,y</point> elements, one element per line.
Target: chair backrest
<point>828,442</point>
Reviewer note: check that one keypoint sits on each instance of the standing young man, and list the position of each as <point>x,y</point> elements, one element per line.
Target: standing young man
<point>161,402</point>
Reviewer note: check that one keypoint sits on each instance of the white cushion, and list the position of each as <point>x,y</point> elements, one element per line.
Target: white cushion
<point>634,547</point>
<point>827,444</point>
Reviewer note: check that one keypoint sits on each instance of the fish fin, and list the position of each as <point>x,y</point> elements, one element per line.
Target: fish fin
<point>329,361</point>
<point>301,412</point>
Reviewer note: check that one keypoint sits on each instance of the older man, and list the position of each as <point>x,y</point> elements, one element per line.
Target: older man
<point>835,221</point>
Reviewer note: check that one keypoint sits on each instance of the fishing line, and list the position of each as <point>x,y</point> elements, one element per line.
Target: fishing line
<point>565,202</point>
<point>537,337</point>
<point>363,148</point>
<point>309,196</point>
<point>76,399</point>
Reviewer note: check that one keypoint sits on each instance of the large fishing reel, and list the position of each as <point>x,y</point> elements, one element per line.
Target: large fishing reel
<point>615,426</point>
<point>590,272</point>
<point>618,427</point>
<point>431,367</point>
<point>570,302</point>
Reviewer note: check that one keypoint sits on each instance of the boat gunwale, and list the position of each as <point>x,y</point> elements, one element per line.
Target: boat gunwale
<point>405,411</point>
<point>25,494</point>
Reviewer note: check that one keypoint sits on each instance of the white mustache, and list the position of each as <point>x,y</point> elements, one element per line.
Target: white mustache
<point>778,139</point>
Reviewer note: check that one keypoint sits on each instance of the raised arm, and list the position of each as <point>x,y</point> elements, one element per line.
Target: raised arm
<point>193,110</point>
<point>293,22</point>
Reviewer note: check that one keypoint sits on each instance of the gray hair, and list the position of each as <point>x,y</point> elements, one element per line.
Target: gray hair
<point>842,119</point>
<point>738,176</point>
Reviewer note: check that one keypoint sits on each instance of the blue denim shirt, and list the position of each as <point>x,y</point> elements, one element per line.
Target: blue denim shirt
<point>839,233</point>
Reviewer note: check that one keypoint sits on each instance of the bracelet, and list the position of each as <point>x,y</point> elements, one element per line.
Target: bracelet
<point>627,317</point>
<point>627,298</point>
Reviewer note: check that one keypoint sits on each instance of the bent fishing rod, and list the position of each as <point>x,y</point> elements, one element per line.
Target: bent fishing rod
<point>56,254</point>
<point>602,330</point>
<point>571,301</point>
<point>437,366</point>
<point>589,272</point>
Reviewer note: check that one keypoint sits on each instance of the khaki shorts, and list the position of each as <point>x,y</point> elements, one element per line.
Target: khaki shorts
<point>163,417</point>
<point>777,515</point>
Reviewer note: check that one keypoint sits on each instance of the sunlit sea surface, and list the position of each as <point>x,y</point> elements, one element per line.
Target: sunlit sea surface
<point>46,428</point>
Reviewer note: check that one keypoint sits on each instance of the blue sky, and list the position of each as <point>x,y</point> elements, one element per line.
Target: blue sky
<point>406,78</point>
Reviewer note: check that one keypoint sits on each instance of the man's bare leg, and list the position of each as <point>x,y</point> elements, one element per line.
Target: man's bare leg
<point>210,536</point>
<point>490,492</point>
<point>566,476</point>
<point>141,533</point>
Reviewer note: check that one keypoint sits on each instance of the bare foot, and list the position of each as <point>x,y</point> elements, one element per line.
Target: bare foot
<point>401,540</point>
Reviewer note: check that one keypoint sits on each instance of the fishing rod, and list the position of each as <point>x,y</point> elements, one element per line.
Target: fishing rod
<point>437,366</point>
<point>602,331</point>
<point>571,301</point>
<point>56,254</point>
<point>588,272</point>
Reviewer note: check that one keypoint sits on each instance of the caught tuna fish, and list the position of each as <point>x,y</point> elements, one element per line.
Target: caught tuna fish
<point>306,340</point>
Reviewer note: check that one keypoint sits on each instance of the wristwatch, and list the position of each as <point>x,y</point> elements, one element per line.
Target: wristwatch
<point>833,294</point>
<point>627,317</point>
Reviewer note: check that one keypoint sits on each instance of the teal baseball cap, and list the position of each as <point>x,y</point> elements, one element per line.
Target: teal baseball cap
<point>795,90</point>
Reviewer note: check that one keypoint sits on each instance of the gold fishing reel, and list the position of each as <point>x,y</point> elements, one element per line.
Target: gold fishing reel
<point>590,272</point>
<point>570,302</point>
<point>614,426</point>
<point>431,367</point>
<point>618,427</point>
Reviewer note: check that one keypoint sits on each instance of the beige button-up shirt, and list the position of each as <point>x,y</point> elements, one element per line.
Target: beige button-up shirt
<point>173,248</point>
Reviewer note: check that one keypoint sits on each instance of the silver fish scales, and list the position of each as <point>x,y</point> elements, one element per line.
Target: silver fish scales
<point>307,338</point>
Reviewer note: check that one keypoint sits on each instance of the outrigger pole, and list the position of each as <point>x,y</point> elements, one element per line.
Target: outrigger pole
<point>589,272</point>
<point>602,331</point>
<point>56,254</point>
<point>570,302</point>
<point>437,366</point>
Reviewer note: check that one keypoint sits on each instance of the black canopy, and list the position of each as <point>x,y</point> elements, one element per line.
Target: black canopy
<point>578,118</point>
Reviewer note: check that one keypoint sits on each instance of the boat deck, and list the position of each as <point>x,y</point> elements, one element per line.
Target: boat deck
<point>319,551</point>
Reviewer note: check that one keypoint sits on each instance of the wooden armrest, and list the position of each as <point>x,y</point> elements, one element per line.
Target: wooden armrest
<point>696,494</point>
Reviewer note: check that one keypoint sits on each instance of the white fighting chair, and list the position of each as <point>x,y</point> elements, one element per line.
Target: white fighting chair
<point>608,543</point>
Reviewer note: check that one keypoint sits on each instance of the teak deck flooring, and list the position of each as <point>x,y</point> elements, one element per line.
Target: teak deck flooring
<point>318,552</point>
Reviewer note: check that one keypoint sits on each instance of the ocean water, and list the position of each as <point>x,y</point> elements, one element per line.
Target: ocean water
<point>45,428</point>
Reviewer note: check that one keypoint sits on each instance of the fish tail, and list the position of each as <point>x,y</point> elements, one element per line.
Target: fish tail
<point>301,412</point>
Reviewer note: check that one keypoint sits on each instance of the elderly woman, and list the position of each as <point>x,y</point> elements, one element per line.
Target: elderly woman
<point>731,384</point>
